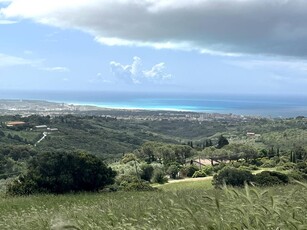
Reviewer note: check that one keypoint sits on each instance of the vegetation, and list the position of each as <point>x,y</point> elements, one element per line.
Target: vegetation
<point>232,176</point>
<point>146,154</point>
<point>267,178</point>
<point>62,172</point>
<point>249,208</point>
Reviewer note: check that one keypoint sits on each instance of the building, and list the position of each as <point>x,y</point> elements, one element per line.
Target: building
<point>15,123</point>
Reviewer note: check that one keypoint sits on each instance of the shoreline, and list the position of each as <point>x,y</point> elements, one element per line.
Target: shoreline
<point>282,112</point>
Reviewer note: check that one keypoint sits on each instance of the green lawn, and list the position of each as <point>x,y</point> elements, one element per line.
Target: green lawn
<point>184,184</point>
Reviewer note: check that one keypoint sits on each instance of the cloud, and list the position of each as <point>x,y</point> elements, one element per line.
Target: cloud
<point>12,61</point>
<point>9,61</point>
<point>7,22</point>
<point>231,27</point>
<point>56,69</point>
<point>136,74</point>
<point>298,66</point>
<point>157,72</point>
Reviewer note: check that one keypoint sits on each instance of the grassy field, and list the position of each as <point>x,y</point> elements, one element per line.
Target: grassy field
<point>282,207</point>
<point>188,184</point>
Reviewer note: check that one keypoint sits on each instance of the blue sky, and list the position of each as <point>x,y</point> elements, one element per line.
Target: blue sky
<point>204,46</point>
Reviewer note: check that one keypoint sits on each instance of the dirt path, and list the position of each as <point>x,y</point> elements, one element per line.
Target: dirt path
<point>44,135</point>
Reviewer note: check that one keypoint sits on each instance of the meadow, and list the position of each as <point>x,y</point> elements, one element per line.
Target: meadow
<point>184,205</point>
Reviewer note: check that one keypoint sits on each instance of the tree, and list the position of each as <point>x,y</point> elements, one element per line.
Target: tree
<point>147,171</point>
<point>215,154</point>
<point>159,176</point>
<point>300,153</point>
<point>172,171</point>
<point>208,143</point>
<point>232,176</point>
<point>128,157</point>
<point>267,178</point>
<point>62,172</point>
<point>209,153</point>
<point>189,170</point>
<point>222,141</point>
<point>147,152</point>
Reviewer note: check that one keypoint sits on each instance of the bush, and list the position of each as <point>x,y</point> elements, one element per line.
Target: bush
<point>232,176</point>
<point>256,162</point>
<point>267,163</point>
<point>188,171</point>
<point>172,171</point>
<point>219,167</point>
<point>286,166</point>
<point>244,168</point>
<point>208,170</point>
<point>297,175</point>
<point>252,167</point>
<point>159,176</point>
<point>268,178</point>
<point>235,164</point>
<point>302,167</point>
<point>199,173</point>
<point>205,171</point>
<point>128,157</point>
<point>147,171</point>
<point>62,172</point>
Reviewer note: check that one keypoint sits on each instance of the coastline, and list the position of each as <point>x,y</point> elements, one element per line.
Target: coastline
<point>247,106</point>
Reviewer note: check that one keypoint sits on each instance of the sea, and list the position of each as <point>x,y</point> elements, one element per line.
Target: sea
<point>240,104</point>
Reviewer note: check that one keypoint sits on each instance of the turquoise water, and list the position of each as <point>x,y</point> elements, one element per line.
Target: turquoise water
<point>263,105</point>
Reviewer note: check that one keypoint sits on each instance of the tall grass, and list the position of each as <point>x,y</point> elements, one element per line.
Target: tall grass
<point>282,207</point>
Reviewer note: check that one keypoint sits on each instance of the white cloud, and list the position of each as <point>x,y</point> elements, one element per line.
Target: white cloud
<point>136,74</point>
<point>157,72</point>
<point>220,27</point>
<point>7,22</point>
<point>293,65</point>
<point>56,69</point>
<point>9,61</point>
<point>12,61</point>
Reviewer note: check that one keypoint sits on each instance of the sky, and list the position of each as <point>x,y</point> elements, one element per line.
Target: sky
<point>195,46</point>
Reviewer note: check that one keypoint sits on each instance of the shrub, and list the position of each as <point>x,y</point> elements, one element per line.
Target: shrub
<point>147,171</point>
<point>62,172</point>
<point>268,178</point>
<point>302,167</point>
<point>172,171</point>
<point>242,167</point>
<point>208,169</point>
<point>286,166</point>
<point>159,176</point>
<point>199,173</point>
<point>128,157</point>
<point>232,176</point>
<point>219,167</point>
<point>188,171</point>
<point>267,163</point>
<point>235,164</point>
<point>256,162</point>
<point>253,167</point>
<point>297,175</point>
<point>205,171</point>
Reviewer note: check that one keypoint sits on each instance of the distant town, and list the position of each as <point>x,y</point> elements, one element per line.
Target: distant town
<point>45,108</point>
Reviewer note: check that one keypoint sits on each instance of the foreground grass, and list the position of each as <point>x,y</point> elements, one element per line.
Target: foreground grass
<point>282,207</point>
